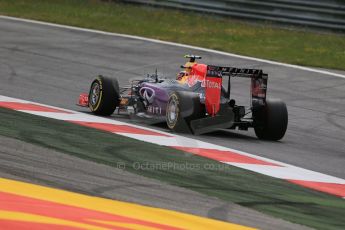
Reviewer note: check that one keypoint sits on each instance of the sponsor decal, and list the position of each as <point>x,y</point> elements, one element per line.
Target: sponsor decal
<point>211,84</point>
<point>154,109</point>
<point>214,73</point>
<point>192,80</point>
<point>147,93</point>
<point>259,88</point>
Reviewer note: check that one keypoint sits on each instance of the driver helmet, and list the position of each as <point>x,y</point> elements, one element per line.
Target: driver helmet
<point>181,75</point>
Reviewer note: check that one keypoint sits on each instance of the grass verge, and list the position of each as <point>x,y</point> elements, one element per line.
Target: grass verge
<point>262,41</point>
<point>268,195</point>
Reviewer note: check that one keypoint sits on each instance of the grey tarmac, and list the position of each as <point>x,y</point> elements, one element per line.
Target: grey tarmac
<point>30,163</point>
<point>54,65</point>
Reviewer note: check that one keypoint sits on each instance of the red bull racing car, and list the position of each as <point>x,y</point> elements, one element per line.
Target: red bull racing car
<point>196,102</point>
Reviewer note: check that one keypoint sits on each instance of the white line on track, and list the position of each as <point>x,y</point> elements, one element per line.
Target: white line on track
<point>325,72</point>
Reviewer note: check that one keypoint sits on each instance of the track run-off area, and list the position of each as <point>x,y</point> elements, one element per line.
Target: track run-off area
<point>44,67</point>
<point>27,206</point>
<point>307,178</point>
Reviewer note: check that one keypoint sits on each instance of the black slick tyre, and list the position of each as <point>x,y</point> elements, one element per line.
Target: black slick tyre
<point>104,96</point>
<point>182,108</point>
<point>270,122</point>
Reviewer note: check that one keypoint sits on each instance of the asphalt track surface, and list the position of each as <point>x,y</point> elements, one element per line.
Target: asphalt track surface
<point>30,163</point>
<point>53,65</point>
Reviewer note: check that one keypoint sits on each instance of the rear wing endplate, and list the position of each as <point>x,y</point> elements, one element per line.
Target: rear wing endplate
<point>258,81</point>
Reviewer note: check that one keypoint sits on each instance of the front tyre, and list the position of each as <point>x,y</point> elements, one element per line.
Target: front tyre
<point>270,122</point>
<point>104,96</point>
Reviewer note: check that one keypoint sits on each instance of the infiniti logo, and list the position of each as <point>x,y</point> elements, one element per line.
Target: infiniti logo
<point>147,93</point>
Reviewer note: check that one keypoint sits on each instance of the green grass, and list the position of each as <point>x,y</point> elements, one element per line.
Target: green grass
<point>268,195</point>
<point>263,41</point>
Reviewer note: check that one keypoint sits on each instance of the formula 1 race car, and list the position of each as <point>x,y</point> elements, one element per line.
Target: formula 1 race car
<point>196,102</point>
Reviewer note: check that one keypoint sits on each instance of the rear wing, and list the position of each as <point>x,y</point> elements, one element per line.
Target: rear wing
<point>212,77</point>
<point>258,81</point>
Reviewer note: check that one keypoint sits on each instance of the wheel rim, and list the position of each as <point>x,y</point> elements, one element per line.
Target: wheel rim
<point>95,92</point>
<point>172,112</point>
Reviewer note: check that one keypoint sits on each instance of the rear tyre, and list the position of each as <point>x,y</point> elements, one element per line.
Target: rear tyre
<point>270,122</point>
<point>104,96</point>
<point>182,108</point>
